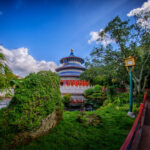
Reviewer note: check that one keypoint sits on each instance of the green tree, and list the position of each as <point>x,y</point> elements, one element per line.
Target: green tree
<point>90,74</point>
<point>128,40</point>
<point>6,74</point>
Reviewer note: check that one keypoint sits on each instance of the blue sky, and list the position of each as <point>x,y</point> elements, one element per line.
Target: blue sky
<point>50,28</point>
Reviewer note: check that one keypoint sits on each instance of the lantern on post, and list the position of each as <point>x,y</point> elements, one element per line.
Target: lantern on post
<point>130,63</point>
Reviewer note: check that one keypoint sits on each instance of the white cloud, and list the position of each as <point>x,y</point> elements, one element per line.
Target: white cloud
<point>143,13</point>
<point>105,39</point>
<point>94,37</point>
<point>22,63</point>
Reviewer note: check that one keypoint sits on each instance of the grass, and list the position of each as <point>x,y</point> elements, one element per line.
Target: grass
<point>72,135</point>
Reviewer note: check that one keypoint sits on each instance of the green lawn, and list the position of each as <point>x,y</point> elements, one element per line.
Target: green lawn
<point>72,135</point>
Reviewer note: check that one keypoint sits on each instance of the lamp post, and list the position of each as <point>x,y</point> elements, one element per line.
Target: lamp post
<point>130,63</point>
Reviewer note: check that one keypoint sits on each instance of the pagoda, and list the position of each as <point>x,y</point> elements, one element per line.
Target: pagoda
<point>69,72</point>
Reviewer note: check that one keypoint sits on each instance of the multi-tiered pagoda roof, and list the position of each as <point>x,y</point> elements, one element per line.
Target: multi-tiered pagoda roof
<point>71,67</point>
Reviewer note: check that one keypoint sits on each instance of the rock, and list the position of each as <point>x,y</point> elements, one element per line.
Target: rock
<point>91,119</point>
<point>47,124</point>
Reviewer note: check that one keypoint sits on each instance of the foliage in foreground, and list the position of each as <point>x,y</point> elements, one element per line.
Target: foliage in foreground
<point>37,96</point>
<point>70,134</point>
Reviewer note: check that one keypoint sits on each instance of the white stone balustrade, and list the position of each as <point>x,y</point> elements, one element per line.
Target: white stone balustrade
<point>73,89</point>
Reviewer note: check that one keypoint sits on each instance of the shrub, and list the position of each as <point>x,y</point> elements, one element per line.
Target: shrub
<point>89,91</point>
<point>66,99</point>
<point>95,96</point>
<point>121,98</point>
<point>98,89</point>
<point>36,97</point>
<point>106,102</point>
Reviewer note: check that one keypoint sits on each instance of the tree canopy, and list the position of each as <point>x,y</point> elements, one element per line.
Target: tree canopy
<point>127,40</point>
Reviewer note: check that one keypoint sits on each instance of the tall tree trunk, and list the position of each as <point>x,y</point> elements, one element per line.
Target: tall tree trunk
<point>139,87</point>
<point>135,87</point>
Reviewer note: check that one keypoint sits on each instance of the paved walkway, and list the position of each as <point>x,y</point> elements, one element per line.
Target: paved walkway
<point>145,139</point>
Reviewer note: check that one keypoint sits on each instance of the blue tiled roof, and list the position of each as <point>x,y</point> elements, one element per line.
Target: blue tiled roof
<point>69,73</point>
<point>72,64</point>
<point>72,58</point>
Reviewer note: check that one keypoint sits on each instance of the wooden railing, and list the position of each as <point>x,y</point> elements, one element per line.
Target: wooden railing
<point>131,138</point>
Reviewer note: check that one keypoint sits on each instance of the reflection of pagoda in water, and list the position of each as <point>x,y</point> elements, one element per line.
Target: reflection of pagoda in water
<point>69,73</point>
